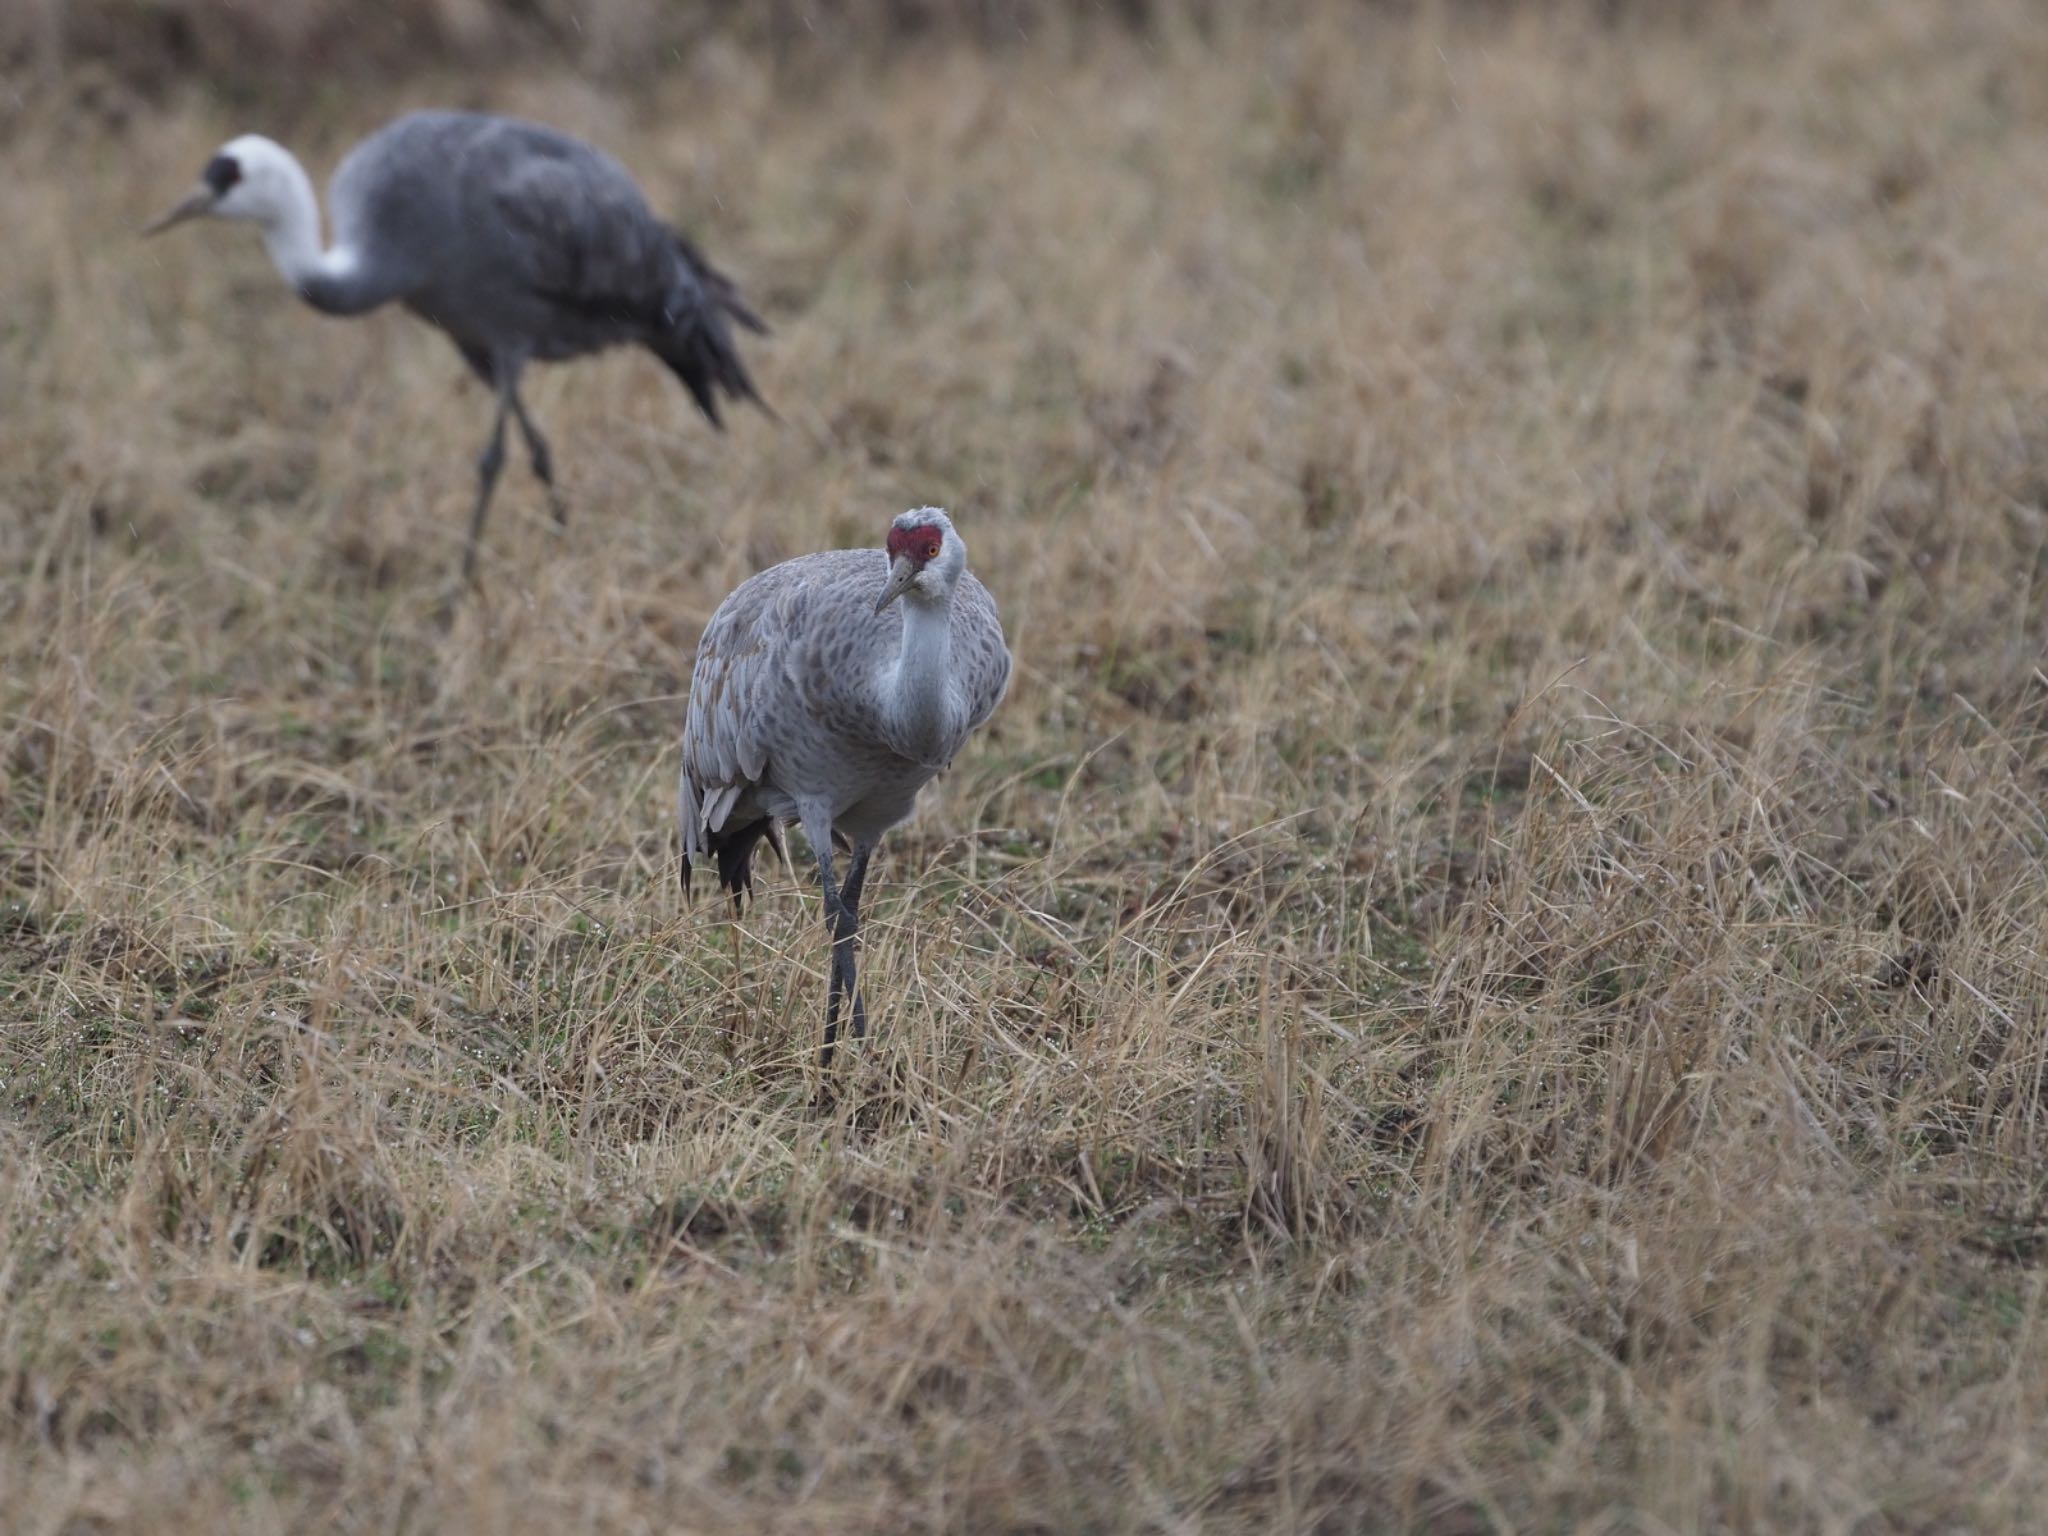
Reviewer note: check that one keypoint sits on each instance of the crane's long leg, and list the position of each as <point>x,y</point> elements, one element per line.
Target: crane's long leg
<point>817,820</point>
<point>839,984</point>
<point>487,466</point>
<point>543,461</point>
<point>845,937</point>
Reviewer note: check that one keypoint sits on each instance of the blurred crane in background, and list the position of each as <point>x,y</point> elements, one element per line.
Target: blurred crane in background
<point>522,243</point>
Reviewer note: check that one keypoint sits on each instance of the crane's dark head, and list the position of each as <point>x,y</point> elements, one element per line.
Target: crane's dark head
<point>926,556</point>
<point>248,178</point>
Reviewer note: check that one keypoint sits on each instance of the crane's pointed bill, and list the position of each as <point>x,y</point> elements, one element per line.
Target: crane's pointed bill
<point>199,200</point>
<point>901,573</point>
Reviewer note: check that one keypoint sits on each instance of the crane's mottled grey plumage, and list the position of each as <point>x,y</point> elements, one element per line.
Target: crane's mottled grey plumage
<point>522,243</point>
<point>812,701</point>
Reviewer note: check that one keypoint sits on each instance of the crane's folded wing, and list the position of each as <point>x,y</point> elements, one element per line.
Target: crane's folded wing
<point>985,664</point>
<point>724,751</point>
<point>585,237</point>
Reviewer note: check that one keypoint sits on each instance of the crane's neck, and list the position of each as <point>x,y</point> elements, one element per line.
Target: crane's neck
<point>335,281</point>
<point>923,720</point>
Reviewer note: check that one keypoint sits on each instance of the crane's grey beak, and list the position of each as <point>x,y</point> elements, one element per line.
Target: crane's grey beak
<point>901,574</point>
<point>199,200</point>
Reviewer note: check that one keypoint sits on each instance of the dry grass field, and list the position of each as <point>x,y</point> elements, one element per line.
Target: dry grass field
<point>1489,975</point>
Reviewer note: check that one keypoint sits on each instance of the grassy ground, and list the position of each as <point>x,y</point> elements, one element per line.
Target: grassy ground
<point>1488,976</point>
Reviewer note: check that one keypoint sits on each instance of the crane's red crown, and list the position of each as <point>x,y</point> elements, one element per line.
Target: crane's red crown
<point>921,542</point>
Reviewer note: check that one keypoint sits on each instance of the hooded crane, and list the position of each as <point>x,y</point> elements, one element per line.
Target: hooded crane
<point>520,242</point>
<point>812,701</point>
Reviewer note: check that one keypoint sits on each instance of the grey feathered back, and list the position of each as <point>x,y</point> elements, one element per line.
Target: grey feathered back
<point>515,238</point>
<point>785,675</point>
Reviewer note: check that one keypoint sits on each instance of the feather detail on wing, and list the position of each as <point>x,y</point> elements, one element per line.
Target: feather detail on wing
<point>979,652</point>
<point>695,336</point>
<point>587,243</point>
<point>585,237</point>
<point>724,753</point>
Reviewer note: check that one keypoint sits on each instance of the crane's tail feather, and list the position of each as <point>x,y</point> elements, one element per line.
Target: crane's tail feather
<point>698,343</point>
<point>733,851</point>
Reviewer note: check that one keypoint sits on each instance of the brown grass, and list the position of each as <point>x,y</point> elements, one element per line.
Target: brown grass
<point>1489,975</point>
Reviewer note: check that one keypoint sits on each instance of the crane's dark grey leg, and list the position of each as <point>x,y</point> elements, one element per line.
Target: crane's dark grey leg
<point>841,981</point>
<point>845,937</point>
<point>817,822</point>
<point>543,461</point>
<point>487,466</point>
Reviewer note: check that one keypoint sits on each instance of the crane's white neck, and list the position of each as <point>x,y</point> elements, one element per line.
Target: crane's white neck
<point>323,278</point>
<point>924,718</point>
<point>291,233</point>
<point>277,196</point>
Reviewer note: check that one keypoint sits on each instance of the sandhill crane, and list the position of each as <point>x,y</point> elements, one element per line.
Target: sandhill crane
<point>521,243</point>
<point>809,700</point>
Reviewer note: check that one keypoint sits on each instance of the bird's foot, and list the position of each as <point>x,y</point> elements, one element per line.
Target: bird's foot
<point>444,609</point>
<point>456,593</point>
